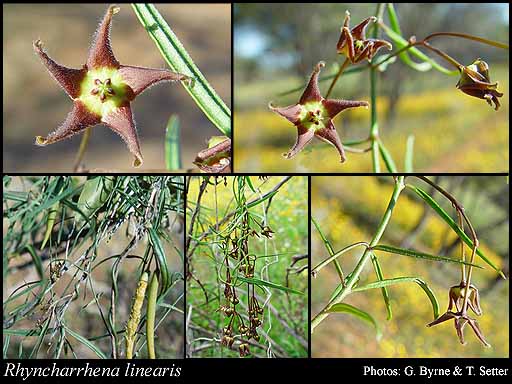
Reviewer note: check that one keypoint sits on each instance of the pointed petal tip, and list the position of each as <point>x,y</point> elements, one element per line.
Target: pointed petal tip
<point>113,9</point>
<point>137,161</point>
<point>38,44</point>
<point>319,66</point>
<point>40,141</point>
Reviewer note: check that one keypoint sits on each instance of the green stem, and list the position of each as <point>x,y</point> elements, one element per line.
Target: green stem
<point>334,256</point>
<point>81,150</point>
<point>374,127</point>
<point>354,276</point>
<point>340,71</point>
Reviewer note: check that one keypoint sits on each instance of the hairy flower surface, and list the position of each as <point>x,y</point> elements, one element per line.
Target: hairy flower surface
<point>102,90</point>
<point>354,44</point>
<point>475,81</point>
<point>313,115</point>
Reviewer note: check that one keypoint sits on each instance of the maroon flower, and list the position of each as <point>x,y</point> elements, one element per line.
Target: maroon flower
<point>355,45</point>
<point>102,90</point>
<point>461,318</point>
<point>475,81</point>
<point>313,115</point>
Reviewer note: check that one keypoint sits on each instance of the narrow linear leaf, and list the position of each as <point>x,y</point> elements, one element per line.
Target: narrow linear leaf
<point>86,342</point>
<point>399,280</point>
<point>37,261</point>
<point>160,257</point>
<point>249,183</point>
<point>180,61</point>
<point>420,255</point>
<point>7,340</point>
<point>404,56</point>
<point>336,255</point>
<point>446,217</point>
<point>386,156</point>
<point>380,277</point>
<point>359,313</point>
<point>21,332</point>
<point>330,249</point>
<point>172,144</point>
<point>409,154</point>
<point>324,238</point>
<point>269,284</point>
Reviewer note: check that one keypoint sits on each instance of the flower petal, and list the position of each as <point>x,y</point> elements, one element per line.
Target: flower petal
<point>100,53</point>
<point>78,119</point>
<point>312,92</point>
<point>291,113</point>
<point>346,44</point>
<point>68,78</point>
<point>444,317</point>
<point>358,32</point>
<point>330,135</point>
<point>334,106</point>
<point>474,324</point>
<point>139,78</point>
<point>121,121</point>
<point>378,44</point>
<point>303,138</point>
<point>459,327</point>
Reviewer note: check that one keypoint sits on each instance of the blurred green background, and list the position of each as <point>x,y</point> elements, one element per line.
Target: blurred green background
<point>277,45</point>
<point>287,218</point>
<point>34,104</point>
<point>348,209</point>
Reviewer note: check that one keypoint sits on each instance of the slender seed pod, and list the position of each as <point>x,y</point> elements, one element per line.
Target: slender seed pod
<point>150,315</point>
<point>133,321</point>
<point>52,215</point>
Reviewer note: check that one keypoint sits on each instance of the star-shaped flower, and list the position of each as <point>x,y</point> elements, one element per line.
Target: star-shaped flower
<point>475,81</point>
<point>313,115</point>
<point>102,90</point>
<point>355,45</point>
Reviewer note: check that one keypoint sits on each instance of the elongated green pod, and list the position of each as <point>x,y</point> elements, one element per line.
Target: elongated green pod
<point>150,315</point>
<point>133,321</point>
<point>52,215</point>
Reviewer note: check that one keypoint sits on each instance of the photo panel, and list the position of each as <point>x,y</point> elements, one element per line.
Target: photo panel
<point>360,88</point>
<point>391,277</point>
<point>149,92</point>
<point>93,267</point>
<point>247,267</point>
